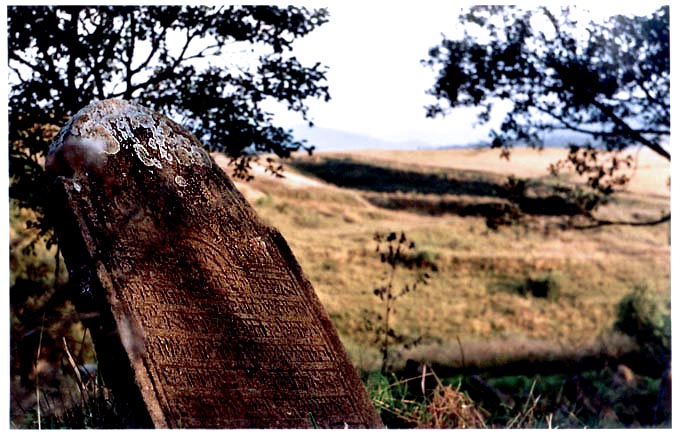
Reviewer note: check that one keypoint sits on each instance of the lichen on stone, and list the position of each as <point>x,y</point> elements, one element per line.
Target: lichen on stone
<point>144,156</point>
<point>121,125</point>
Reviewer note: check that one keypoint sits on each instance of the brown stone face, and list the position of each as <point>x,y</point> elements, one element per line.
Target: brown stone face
<point>201,315</point>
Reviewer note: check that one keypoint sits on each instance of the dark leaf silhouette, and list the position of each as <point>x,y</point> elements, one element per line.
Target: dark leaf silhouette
<point>177,60</point>
<point>608,82</point>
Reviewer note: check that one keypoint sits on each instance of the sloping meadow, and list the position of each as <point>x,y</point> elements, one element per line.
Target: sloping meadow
<point>524,283</point>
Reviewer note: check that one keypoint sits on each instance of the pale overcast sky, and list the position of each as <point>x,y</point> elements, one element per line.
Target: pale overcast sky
<point>377,84</point>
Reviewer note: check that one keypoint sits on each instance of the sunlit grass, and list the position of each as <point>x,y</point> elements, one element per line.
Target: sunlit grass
<point>330,230</point>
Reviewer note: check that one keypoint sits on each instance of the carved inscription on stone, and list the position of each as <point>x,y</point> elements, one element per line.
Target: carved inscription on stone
<point>200,304</point>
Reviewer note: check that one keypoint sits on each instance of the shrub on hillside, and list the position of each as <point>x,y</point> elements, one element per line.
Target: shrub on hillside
<point>643,317</point>
<point>547,287</point>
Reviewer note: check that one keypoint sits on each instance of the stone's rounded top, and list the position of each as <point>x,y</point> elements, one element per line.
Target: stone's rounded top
<point>83,119</point>
<point>104,128</point>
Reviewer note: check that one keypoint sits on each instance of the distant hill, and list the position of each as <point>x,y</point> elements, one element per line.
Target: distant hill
<point>327,140</point>
<point>564,138</point>
<point>557,139</point>
<point>332,140</point>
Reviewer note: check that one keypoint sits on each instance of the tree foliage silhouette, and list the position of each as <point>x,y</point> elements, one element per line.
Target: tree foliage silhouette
<point>187,62</point>
<point>607,81</point>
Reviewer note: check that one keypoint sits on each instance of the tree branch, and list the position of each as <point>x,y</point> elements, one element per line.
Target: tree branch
<point>570,126</point>
<point>17,72</point>
<point>573,127</point>
<point>99,59</point>
<point>626,128</point>
<point>155,45</point>
<point>130,53</point>
<point>664,107</point>
<point>72,42</point>
<point>653,131</point>
<point>635,134</point>
<point>165,73</point>
<point>43,45</point>
<point>180,58</point>
<point>15,56</point>
<point>202,54</point>
<point>600,223</point>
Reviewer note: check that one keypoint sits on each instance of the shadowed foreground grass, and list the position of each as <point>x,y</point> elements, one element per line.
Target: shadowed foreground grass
<point>594,399</point>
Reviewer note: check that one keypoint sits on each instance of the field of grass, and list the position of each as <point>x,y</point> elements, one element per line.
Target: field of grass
<point>477,314</point>
<point>472,302</point>
<point>528,303</point>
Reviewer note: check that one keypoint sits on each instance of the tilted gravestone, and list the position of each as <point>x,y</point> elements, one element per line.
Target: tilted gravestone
<point>200,314</point>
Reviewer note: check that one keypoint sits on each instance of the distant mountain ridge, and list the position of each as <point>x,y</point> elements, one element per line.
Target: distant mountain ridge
<point>328,140</point>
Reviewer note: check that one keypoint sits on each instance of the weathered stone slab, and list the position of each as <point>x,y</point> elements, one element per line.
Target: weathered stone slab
<point>201,315</point>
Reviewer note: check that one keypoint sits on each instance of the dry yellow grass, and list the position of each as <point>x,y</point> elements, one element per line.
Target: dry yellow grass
<point>650,176</point>
<point>330,230</point>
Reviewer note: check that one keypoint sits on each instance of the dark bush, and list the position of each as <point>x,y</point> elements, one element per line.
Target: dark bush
<point>646,319</point>
<point>546,287</point>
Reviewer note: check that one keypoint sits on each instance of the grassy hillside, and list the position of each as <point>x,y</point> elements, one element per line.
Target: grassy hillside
<point>330,214</point>
<point>528,306</point>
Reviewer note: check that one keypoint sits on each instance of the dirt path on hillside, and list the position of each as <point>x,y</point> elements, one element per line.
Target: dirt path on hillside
<point>289,179</point>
